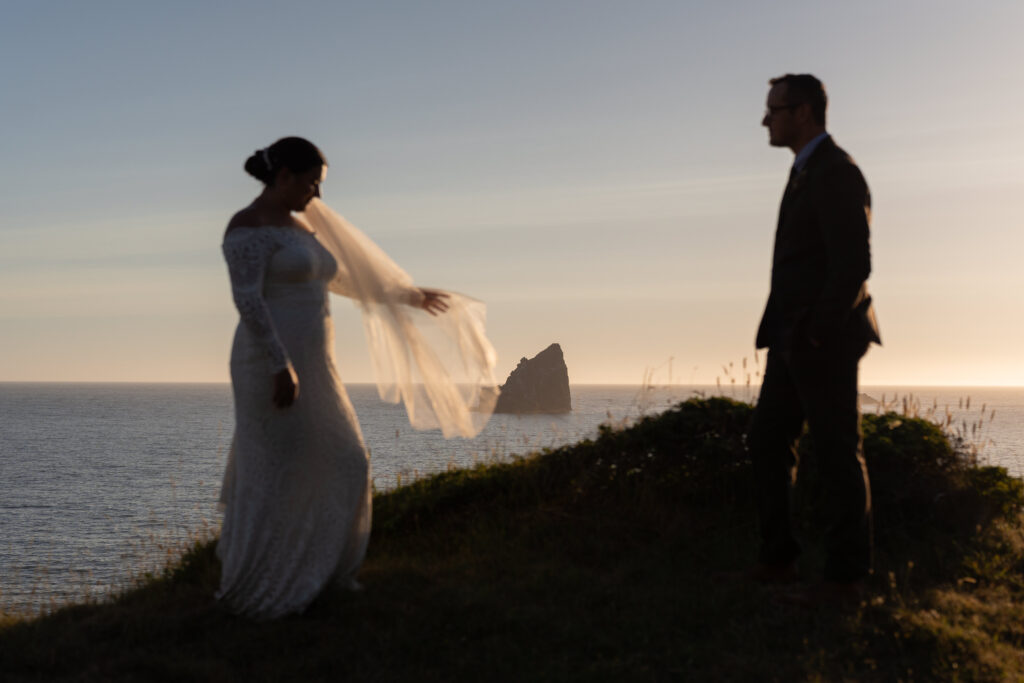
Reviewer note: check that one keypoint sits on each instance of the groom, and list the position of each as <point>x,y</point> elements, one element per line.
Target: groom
<point>817,324</point>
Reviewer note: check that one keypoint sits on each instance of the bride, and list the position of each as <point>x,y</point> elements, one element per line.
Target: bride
<point>297,490</point>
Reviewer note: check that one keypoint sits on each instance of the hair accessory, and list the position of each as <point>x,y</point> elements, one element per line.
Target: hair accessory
<point>266,157</point>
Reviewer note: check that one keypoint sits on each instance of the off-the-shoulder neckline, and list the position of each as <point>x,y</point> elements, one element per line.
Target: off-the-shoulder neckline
<point>257,227</point>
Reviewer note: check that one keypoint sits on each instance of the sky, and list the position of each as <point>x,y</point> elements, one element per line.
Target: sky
<point>595,171</point>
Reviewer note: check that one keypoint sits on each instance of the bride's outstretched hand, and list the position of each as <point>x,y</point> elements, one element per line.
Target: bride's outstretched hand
<point>286,388</point>
<point>434,301</point>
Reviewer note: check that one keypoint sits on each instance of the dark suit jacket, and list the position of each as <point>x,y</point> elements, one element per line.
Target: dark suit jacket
<point>822,258</point>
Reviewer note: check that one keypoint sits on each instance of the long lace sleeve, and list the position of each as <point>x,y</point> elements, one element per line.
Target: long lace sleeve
<point>248,253</point>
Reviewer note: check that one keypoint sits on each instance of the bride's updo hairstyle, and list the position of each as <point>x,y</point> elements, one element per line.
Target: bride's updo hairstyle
<point>298,155</point>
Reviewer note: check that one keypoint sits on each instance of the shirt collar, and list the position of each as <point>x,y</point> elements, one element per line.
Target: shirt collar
<point>801,159</point>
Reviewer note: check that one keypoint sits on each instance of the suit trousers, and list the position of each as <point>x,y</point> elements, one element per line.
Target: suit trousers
<point>819,386</point>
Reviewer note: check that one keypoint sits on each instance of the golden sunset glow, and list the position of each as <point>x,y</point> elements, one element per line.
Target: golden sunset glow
<point>596,173</point>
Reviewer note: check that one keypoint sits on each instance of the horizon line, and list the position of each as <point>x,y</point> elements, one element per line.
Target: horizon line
<point>722,386</point>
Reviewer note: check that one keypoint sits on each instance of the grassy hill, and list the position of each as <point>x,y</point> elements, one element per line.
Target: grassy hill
<point>599,561</point>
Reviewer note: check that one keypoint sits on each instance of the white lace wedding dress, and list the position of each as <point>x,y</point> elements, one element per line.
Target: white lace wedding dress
<point>296,491</point>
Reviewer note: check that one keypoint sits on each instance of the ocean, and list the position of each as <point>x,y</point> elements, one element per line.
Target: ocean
<point>98,482</point>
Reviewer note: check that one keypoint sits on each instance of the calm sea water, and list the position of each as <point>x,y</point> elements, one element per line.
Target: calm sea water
<point>98,480</point>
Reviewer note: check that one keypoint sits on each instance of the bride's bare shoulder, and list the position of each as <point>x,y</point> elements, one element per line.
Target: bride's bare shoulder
<point>248,217</point>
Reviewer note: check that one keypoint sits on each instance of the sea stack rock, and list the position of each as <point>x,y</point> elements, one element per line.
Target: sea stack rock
<point>537,385</point>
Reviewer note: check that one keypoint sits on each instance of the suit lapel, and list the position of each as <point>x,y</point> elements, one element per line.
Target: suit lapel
<point>792,187</point>
<point>797,180</point>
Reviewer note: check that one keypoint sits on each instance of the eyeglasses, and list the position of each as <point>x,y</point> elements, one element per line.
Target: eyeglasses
<point>771,110</point>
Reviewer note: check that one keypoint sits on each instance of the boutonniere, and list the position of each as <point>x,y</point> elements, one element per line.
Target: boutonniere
<point>798,180</point>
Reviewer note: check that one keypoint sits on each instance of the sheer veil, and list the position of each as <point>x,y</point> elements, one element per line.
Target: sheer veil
<point>441,367</point>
